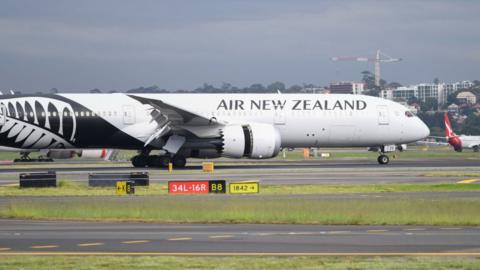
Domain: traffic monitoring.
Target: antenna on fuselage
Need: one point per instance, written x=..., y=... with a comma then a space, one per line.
x=278, y=92
x=12, y=92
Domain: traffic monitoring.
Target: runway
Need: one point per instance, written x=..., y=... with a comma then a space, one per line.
x=275, y=172
x=19, y=236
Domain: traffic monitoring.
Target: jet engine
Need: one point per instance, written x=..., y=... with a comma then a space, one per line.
x=253, y=141
x=81, y=153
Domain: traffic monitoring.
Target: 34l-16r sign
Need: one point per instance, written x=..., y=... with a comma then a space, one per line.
x=196, y=187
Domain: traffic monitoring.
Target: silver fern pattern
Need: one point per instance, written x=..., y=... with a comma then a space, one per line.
x=38, y=123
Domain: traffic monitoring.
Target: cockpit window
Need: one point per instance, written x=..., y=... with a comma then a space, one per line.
x=409, y=114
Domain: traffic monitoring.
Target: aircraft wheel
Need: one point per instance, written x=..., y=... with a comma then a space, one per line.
x=140, y=161
x=383, y=159
x=179, y=161
x=164, y=160
x=476, y=148
x=154, y=161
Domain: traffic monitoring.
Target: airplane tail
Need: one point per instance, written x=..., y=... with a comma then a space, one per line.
x=448, y=127
x=452, y=138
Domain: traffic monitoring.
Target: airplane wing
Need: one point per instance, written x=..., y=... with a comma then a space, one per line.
x=163, y=112
x=168, y=117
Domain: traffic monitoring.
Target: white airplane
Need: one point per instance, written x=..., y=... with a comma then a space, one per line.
x=181, y=126
x=460, y=141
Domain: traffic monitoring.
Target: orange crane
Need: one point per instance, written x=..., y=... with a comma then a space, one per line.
x=379, y=58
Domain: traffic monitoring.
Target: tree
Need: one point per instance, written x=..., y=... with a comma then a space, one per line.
x=436, y=81
x=412, y=100
x=226, y=87
x=294, y=89
x=393, y=85
x=276, y=86
x=430, y=104
x=54, y=91
x=256, y=88
x=96, y=90
x=471, y=126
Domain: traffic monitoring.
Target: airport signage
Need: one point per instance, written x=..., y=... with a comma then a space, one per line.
x=197, y=187
x=244, y=187
x=217, y=186
x=125, y=187
x=188, y=187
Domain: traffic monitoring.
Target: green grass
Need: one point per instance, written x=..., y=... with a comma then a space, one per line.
x=67, y=188
x=299, y=263
x=362, y=153
x=252, y=209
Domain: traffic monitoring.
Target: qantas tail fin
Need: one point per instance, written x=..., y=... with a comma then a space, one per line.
x=448, y=127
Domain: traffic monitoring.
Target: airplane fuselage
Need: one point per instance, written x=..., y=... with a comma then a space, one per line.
x=126, y=121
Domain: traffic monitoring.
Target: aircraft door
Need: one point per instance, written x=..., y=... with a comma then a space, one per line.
x=3, y=114
x=382, y=112
x=128, y=114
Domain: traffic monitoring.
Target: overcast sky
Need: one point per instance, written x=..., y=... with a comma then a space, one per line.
x=81, y=45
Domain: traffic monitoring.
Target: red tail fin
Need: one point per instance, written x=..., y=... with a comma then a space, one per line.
x=448, y=127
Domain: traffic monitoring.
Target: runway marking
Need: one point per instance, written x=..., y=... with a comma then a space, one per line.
x=468, y=181
x=374, y=231
x=265, y=234
x=135, y=242
x=220, y=236
x=415, y=229
x=236, y=254
x=48, y=246
x=338, y=232
x=90, y=244
x=451, y=228
x=3, y=249
x=180, y=239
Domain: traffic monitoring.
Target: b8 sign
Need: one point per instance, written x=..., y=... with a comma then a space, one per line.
x=217, y=186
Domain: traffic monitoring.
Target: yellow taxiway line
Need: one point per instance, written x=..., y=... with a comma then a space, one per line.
x=468, y=181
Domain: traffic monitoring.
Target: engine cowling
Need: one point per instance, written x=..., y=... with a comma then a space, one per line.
x=82, y=153
x=253, y=141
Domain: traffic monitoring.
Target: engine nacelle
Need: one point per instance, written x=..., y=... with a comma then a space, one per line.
x=252, y=141
x=60, y=153
x=82, y=153
x=93, y=153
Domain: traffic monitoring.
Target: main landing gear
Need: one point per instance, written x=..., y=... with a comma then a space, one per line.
x=158, y=161
x=383, y=159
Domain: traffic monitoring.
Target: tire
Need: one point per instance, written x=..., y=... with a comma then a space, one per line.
x=476, y=148
x=140, y=161
x=164, y=160
x=383, y=159
x=179, y=162
x=154, y=161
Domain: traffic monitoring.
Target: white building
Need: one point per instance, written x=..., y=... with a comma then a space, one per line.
x=423, y=91
x=355, y=88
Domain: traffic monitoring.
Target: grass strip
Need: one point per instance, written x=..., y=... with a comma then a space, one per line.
x=172, y=263
x=252, y=209
x=67, y=188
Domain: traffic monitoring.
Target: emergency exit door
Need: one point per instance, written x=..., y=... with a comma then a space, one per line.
x=3, y=114
x=128, y=114
x=382, y=112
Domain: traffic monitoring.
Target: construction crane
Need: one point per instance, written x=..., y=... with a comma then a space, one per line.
x=379, y=58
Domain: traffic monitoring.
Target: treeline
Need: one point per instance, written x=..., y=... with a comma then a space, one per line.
x=471, y=125
x=225, y=88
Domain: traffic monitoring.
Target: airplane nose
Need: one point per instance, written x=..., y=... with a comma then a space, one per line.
x=423, y=130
